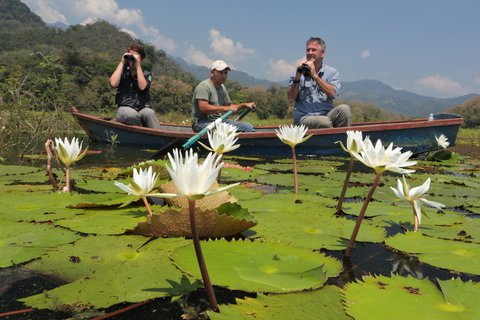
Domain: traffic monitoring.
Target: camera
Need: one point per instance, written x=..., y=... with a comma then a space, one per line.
x=304, y=68
x=129, y=58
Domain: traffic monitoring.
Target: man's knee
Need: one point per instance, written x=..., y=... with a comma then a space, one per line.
x=316, y=122
x=128, y=116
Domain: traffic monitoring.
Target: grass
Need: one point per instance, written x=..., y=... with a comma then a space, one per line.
x=469, y=136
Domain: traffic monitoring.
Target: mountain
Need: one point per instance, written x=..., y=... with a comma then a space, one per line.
x=15, y=15
x=241, y=77
x=398, y=101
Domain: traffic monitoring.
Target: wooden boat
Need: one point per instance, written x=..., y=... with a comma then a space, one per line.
x=416, y=135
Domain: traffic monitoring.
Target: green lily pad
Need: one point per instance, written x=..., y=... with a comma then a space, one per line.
x=107, y=270
x=21, y=242
x=399, y=298
x=303, y=305
x=259, y=266
x=453, y=255
x=310, y=218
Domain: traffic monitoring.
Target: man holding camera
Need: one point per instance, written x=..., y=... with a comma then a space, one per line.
x=313, y=87
x=133, y=86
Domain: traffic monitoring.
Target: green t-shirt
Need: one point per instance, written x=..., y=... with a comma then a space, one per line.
x=206, y=90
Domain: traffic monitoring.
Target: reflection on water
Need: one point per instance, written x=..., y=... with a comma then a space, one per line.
x=114, y=155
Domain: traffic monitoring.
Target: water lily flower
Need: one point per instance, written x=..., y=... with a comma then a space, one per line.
x=414, y=196
x=195, y=181
x=221, y=141
x=355, y=141
x=442, y=141
x=380, y=159
x=69, y=152
x=293, y=135
x=226, y=128
x=384, y=159
x=143, y=182
x=354, y=144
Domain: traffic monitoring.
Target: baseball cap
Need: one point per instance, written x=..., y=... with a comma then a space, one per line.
x=219, y=65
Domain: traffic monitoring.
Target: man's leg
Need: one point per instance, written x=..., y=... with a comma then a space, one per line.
x=316, y=122
x=241, y=126
x=129, y=116
x=149, y=118
x=341, y=116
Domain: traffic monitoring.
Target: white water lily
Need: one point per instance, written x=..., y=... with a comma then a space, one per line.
x=354, y=142
x=384, y=159
x=193, y=179
x=142, y=183
x=221, y=141
x=380, y=159
x=226, y=128
x=414, y=196
x=292, y=135
x=69, y=152
x=442, y=141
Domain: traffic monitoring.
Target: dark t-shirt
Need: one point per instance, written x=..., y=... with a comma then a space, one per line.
x=128, y=93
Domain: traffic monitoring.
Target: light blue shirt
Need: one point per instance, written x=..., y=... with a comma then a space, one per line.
x=310, y=99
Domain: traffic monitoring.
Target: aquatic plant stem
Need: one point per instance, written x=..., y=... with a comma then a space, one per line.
x=416, y=221
x=219, y=171
x=349, y=249
x=201, y=261
x=149, y=209
x=345, y=186
x=67, y=179
x=295, y=178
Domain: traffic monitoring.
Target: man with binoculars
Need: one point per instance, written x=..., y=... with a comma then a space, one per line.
x=133, y=86
x=313, y=87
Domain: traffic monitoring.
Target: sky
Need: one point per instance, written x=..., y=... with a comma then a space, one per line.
x=429, y=47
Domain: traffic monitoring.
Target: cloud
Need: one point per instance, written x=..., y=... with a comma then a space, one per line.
x=441, y=84
x=227, y=48
x=280, y=70
x=365, y=54
x=87, y=11
x=46, y=11
x=198, y=57
x=476, y=81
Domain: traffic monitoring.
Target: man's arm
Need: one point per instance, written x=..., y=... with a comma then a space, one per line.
x=325, y=86
x=207, y=108
x=117, y=74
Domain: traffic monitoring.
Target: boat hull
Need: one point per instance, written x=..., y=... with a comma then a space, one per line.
x=416, y=135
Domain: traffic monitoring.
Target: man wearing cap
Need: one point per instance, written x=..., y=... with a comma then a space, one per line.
x=211, y=100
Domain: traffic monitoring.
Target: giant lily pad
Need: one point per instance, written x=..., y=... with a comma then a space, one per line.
x=409, y=298
x=453, y=255
x=259, y=266
x=322, y=304
x=107, y=270
x=228, y=220
x=21, y=242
